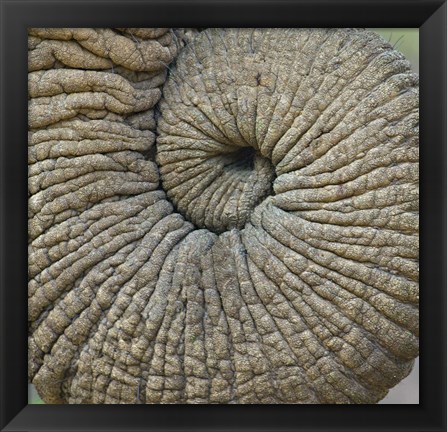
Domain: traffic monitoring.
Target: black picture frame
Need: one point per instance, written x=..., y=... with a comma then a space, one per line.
x=431, y=18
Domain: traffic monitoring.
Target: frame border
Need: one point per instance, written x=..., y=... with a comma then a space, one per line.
x=16, y=15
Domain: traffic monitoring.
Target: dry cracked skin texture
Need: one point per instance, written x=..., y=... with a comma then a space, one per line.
x=262, y=249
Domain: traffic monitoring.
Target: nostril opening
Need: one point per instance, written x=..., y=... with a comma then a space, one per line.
x=243, y=158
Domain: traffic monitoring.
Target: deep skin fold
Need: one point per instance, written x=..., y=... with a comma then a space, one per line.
x=254, y=242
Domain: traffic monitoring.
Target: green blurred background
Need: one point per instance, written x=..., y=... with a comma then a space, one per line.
x=405, y=40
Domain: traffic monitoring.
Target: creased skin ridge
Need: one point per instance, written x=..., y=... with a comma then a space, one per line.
x=226, y=216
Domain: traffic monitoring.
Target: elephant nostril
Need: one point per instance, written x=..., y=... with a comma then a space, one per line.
x=242, y=159
x=219, y=191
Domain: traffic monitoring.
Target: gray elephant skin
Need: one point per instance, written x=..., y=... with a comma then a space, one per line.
x=221, y=216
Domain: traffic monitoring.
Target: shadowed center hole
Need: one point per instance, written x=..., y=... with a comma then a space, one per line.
x=243, y=158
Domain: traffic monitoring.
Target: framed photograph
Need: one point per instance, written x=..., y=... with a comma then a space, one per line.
x=229, y=215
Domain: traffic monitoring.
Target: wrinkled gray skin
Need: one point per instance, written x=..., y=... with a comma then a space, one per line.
x=262, y=249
